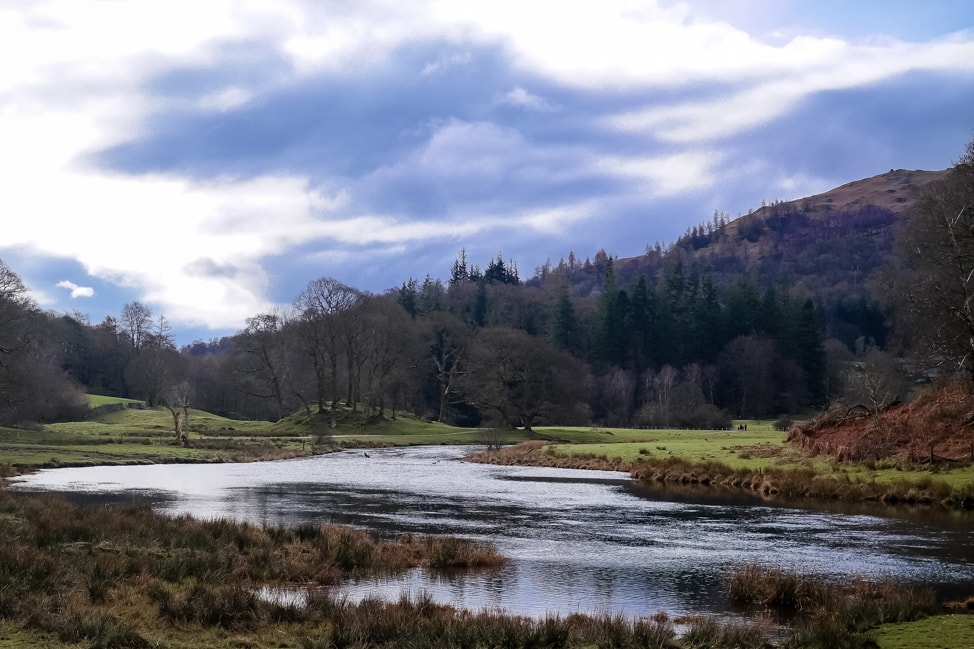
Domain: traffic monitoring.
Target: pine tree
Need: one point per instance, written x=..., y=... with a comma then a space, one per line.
x=563, y=328
x=459, y=273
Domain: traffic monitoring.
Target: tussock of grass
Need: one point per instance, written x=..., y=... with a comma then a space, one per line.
x=829, y=615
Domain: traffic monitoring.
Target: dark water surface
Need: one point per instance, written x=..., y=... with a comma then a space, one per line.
x=588, y=541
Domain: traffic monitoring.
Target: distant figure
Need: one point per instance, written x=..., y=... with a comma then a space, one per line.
x=367, y=455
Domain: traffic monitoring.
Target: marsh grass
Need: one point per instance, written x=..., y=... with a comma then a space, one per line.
x=825, y=614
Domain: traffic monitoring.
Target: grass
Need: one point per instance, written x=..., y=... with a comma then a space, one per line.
x=98, y=400
x=954, y=631
x=138, y=435
x=759, y=460
x=127, y=577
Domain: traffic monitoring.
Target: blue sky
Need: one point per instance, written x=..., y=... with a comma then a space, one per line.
x=211, y=158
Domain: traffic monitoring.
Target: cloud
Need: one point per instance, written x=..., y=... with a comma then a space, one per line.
x=77, y=291
x=226, y=99
x=446, y=62
x=521, y=98
x=188, y=155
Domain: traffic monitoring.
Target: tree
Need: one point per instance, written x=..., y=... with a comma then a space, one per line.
x=391, y=349
x=932, y=285
x=176, y=399
x=261, y=355
x=152, y=372
x=16, y=310
x=322, y=307
x=136, y=322
x=33, y=387
x=873, y=381
x=563, y=325
x=447, y=347
x=523, y=380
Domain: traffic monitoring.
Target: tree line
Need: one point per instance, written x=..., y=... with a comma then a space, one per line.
x=678, y=346
x=481, y=349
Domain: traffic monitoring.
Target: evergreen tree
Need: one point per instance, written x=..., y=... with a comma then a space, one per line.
x=810, y=346
x=642, y=316
x=407, y=296
x=459, y=273
x=479, y=311
x=563, y=327
x=611, y=321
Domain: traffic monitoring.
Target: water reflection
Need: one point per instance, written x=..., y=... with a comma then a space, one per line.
x=586, y=541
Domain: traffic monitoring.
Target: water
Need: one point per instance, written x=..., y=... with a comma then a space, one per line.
x=579, y=541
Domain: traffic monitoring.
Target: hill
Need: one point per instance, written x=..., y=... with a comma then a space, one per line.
x=826, y=246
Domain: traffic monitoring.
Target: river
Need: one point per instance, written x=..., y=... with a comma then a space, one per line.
x=579, y=541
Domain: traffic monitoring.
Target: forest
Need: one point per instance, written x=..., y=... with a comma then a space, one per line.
x=784, y=311
x=483, y=348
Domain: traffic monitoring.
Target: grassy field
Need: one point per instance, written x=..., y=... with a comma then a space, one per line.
x=133, y=435
x=758, y=448
x=954, y=631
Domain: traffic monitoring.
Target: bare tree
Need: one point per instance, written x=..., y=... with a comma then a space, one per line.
x=933, y=281
x=261, y=351
x=448, y=345
x=150, y=374
x=136, y=321
x=177, y=399
x=321, y=307
x=522, y=379
x=872, y=381
x=390, y=345
x=33, y=386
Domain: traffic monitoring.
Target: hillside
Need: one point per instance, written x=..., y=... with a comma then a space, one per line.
x=934, y=428
x=894, y=191
x=826, y=246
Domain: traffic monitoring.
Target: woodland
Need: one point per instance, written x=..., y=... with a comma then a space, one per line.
x=782, y=311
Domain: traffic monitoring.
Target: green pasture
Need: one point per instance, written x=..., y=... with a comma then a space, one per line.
x=98, y=400
x=146, y=435
x=954, y=631
x=760, y=447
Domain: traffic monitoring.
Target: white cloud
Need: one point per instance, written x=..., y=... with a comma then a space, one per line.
x=76, y=291
x=836, y=67
x=521, y=98
x=666, y=175
x=225, y=100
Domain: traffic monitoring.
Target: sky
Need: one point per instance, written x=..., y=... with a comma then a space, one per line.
x=209, y=159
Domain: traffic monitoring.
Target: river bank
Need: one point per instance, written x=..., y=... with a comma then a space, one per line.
x=798, y=479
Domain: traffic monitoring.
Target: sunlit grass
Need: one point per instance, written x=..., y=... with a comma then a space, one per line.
x=937, y=632
x=98, y=400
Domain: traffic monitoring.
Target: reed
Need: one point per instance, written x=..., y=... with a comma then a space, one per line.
x=706, y=633
x=827, y=614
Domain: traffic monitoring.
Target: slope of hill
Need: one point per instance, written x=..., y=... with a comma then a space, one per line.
x=934, y=428
x=826, y=246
